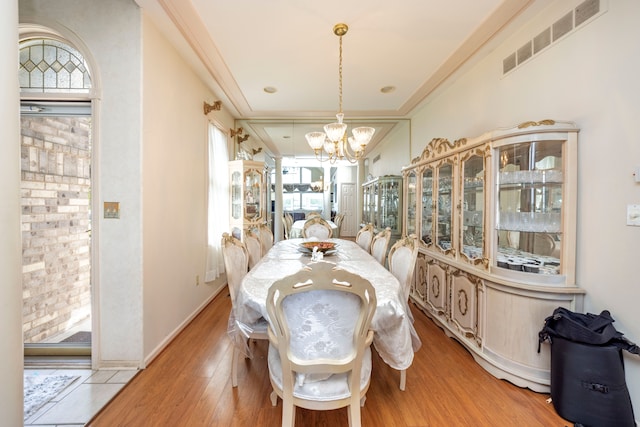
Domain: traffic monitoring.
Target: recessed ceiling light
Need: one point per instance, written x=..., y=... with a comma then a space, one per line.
x=388, y=89
x=270, y=89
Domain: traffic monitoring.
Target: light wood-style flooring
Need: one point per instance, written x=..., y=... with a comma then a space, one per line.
x=189, y=384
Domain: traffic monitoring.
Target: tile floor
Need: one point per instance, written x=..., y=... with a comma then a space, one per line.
x=82, y=400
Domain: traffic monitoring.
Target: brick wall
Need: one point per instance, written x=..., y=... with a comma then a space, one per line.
x=56, y=191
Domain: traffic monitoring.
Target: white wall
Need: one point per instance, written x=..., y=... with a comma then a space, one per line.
x=111, y=32
x=590, y=78
x=151, y=150
x=11, y=387
x=175, y=133
x=394, y=151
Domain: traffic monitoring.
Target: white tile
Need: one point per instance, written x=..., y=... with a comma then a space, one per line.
x=101, y=377
x=123, y=376
x=79, y=406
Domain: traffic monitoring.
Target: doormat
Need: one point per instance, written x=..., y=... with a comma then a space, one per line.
x=39, y=389
x=82, y=336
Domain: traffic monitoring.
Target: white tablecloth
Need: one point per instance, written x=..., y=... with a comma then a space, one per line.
x=395, y=339
x=296, y=228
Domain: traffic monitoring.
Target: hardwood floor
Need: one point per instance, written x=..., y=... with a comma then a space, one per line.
x=189, y=384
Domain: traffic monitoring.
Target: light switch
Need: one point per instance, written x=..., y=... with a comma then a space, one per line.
x=633, y=215
x=112, y=210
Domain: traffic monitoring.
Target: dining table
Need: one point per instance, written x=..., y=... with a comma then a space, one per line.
x=395, y=339
x=296, y=228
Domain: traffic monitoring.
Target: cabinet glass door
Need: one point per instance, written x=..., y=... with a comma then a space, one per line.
x=366, y=203
x=471, y=230
x=427, y=206
x=252, y=194
x=411, y=203
x=530, y=193
x=389, y=199
x=236, y=195
x=374, y=205
x=445, y=212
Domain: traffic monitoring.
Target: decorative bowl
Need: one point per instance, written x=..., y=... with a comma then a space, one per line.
x=322, y=246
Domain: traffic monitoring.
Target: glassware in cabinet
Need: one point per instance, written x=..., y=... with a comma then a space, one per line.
x=382, y=203
x=248, y=195
x=411, y=202
x=530, y=189
x=444, y=209
x=427, y=206
x=473, y=200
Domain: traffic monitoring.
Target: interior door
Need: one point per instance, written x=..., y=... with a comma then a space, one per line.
x=348, y=199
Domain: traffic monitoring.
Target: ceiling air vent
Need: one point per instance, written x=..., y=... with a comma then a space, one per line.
x=584, y=13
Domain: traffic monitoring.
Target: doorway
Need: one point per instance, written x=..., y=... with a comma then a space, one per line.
x=56, y=190
x=56, y=227
x=348, y=198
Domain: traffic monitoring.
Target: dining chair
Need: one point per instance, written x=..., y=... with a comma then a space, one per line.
x=312, y=214
x=320, y=340
x=365, y=236
x=379, y=245
x=253, y=245
x=290, y=222
x=285, y=226
x=402, y=262
x=236, y=264
x=338, y=222
x=266, y=237
x=317, y=227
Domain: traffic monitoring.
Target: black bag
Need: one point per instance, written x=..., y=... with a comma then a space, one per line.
x=587, y=368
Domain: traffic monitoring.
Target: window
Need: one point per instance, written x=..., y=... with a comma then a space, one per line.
x=48, y=65
x=302, y=188
x=218, y=219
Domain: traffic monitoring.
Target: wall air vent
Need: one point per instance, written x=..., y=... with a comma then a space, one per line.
x=524, y=53
x=509, y=63
x=563, y=26
x=376, y=158
x=542, y=40
x=585, y=12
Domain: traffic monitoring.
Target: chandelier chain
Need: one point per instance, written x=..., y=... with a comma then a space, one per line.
x=340, y=76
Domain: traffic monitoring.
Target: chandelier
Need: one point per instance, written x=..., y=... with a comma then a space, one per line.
x=333, y=141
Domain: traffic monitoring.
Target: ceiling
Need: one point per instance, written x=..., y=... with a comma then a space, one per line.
x=410, y=47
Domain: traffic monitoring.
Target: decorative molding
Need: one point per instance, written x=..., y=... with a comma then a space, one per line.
x=546, y=122
x=438, y=146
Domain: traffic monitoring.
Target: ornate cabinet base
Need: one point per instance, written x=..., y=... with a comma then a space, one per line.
x=498, y=323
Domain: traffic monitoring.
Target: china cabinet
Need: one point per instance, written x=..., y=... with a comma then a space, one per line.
x=496, y=217
x=382, y=204
x=248, y=195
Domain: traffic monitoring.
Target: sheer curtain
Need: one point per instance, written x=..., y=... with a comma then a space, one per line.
x=218, y=211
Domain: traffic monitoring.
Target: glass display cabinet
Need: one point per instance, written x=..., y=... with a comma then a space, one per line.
x=382, y=204
x=496, y=217
x=248, y=195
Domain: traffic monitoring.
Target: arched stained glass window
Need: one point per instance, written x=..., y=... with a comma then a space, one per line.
x=47, y=65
